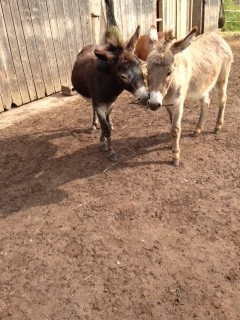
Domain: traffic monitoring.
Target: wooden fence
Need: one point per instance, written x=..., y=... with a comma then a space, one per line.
x=206, y=15
x=177, y=15
x=39, y=41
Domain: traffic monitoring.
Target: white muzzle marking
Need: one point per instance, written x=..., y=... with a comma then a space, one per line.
x=141, y=92
x=156, y=97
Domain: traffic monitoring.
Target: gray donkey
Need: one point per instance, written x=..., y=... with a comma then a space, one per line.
x=187, y=70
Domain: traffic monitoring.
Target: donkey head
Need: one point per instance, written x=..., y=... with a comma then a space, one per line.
x=118, y=60
x=161, y=64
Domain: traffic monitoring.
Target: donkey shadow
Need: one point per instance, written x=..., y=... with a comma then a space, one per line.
x=32, y=174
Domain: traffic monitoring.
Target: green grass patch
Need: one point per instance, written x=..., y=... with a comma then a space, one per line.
x=232, y=16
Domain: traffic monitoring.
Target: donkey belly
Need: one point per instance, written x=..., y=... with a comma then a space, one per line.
x=83, y=70
x=201, y=86
x=80, y=83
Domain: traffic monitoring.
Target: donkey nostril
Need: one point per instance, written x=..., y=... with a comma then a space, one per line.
x=153, y=105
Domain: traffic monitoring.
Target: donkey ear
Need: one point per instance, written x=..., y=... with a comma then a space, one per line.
x=153, y=34
x=133, y=40
x=184, y=43
x=104, y=55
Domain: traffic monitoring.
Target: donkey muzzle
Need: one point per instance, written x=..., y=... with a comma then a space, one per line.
x=155, y=100
x=153, y=106
x=142, y=95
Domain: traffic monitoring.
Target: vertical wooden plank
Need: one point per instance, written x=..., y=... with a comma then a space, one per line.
x=181, y=19
x=40, y=45
x=118, y=15
x=171, y=14
x=5, y=92
x=103, y=23
x=1, y=104
x=211, y=15
x=70, y=30
x=152, y=13
x=77, y=23
x=127, y=21
x=121, y=5
x=132, y=17
x=84, y=7
x=160, y=15
x=137, y=13
x=190, y=25
x=197, y=15
x=31, y=47
x=15, y=53
x=7, y=60
x=96, y=22
x=145, y=29
x=148, y=13
x=140, y=17
x=206, y=16
x=128, y=5
x=164, y=15
x=15, y=10
x=63, y=37
x=57, y=42
x=51, y=56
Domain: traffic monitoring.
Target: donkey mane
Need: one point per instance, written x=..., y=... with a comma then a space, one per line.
x=113, y=35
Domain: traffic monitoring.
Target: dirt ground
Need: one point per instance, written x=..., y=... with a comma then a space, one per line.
x=83, y=239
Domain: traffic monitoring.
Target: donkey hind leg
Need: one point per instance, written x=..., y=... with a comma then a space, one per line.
x=103, y=115
x=204, y=104
x=94, y=120
x=221, y=89
x=177, y=113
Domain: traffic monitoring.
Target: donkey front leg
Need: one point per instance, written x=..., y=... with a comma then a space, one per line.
x=176, y=132
x=103, y=115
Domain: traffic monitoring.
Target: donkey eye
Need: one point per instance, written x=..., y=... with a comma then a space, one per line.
x=123, y=77
x=169, y=73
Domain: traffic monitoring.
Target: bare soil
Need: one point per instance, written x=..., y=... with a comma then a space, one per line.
x=81, y=238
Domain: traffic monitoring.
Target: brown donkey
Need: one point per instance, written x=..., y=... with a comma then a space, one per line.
x=146, y=42
x=187, y=70
x=102, y=73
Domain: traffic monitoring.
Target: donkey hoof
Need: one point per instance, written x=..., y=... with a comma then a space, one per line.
x=217, y=130
x=196, y=134
x=94, y=127
x=104, y=147
x=113, y=157
x=176, y=162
